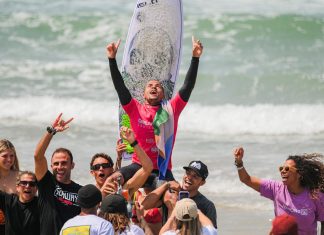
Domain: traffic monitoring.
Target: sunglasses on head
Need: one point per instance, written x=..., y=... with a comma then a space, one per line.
x=25, y=183
x=287, y=168
x=103, y=165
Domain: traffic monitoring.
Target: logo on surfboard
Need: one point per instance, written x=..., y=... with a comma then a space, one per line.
x=143, y=4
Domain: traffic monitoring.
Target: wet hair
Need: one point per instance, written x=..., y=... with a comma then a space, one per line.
x=311, y=169
x=22, y=173
x=64, y=150
x=102, y=155
x=119, y=221
x=7, y=145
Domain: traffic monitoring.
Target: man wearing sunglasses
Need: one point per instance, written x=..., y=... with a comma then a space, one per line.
x=299, y=192
x=101, y=166
x=22, y=210
x=167, y=194
x=56, y=190
x=112, y=185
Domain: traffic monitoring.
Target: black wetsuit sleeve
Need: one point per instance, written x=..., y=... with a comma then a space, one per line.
x=190, y=80
x=122, y=91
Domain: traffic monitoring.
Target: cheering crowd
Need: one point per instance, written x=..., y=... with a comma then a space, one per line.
x=144, y=197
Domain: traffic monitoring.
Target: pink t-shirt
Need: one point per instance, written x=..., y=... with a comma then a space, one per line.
x=141, y=119
x=307, y=211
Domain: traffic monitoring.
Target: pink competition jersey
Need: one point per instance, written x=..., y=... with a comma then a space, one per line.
x=141, y=119
x=307, y=211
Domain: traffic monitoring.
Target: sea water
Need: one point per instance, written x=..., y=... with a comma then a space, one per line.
x=260, y=86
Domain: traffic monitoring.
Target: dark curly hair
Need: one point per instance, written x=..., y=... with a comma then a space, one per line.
x=311, y=169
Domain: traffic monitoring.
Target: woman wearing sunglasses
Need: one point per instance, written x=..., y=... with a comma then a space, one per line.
x=300, y=193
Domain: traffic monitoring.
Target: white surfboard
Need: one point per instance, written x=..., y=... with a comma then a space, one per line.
x=153, y=48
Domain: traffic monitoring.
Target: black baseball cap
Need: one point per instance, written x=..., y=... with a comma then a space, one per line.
x=89, y=196
x=114, y=203
x=199, y=167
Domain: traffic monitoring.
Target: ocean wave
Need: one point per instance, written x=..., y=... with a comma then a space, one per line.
x=262, y=7
x=37, y=70
x=54, y=30
x=35, y=110
x=261, y=119
x=205, y=7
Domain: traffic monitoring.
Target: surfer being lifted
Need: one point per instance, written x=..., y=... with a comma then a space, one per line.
x=155, y=121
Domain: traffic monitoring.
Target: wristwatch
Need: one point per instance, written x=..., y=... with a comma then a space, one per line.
x=134, y=143
x=51, y=130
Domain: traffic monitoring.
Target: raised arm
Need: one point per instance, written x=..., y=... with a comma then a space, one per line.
x=190, y=80
x=250, y=181
x=142, y=174
x=120, y=148
x=122, y=91
x=154, y=198
x=170, y=224
x=41, y=167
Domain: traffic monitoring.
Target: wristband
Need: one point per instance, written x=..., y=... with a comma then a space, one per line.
x=134, y=143
x=240, y=168
x=238, y=164
x=51, y=130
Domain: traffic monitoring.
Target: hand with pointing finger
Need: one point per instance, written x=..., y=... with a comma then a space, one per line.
x=197, y=47
x=112, y=49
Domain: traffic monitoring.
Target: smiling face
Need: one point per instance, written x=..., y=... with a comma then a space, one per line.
x=7, y=159
x=289, y=174
x=26, y=188
x=8, y=156
x=61, y=166
x=191, y=182
x=153, y=93
x=101, y=173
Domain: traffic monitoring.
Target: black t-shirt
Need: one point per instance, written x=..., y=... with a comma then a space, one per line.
x=21, y=218
x=58, y=202
x=207, y=207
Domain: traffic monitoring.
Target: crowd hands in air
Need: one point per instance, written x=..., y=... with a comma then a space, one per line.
x=134, y=199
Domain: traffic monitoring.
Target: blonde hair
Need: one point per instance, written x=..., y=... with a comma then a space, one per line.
x=120, y=222
x=191, y=227
x=7, y=145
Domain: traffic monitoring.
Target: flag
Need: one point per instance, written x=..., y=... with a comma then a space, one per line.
x=163, y=125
